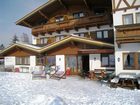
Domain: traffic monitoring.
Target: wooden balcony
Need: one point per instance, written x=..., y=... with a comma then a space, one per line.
x=128, y=34
x=73, y=24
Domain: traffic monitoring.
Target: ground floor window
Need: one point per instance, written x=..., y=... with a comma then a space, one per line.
x=1, y=61
x=51, y=60
x=23, y=60
x=107, y=60
x=71, y=62
x=131, y=61
x=128, y=60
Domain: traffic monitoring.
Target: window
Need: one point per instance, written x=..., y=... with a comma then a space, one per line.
x=131, y=61
x=43, y=40
x=139, y=60
x=128, y=60
x=112, y=60
x=99, y=35
x=137, y=17
x=71, y=62
x=102, y=34
x=78, y=15
x=80, y=34
x=128, y=19
x=22, y=60
x=58, y=38
x=107, y=60
x=51, y=60
x=59, y=19
x=105, y=34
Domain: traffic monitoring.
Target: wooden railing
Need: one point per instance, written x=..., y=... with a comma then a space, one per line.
x=73, y=23
x=128, y=33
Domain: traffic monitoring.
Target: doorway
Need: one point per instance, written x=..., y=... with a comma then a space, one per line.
x=85, y=64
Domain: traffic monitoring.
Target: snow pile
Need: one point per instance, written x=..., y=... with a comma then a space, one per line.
x=20, y=89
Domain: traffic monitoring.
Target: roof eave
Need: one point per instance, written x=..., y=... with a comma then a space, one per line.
x=33, y=12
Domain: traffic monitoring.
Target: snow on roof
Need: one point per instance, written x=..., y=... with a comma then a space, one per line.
x=28, y=45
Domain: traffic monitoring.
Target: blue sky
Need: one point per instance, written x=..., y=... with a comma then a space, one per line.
x=10, y=12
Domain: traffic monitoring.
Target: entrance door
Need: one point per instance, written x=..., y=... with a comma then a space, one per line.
x=85, y=63
x=60, y=62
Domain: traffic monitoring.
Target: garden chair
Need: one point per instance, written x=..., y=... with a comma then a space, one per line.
x=39, y=73
x=58, y=75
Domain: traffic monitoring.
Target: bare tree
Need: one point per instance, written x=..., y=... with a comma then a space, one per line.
x=25, y=38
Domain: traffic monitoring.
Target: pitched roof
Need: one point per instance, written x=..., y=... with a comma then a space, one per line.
x=76, y=39
x=56, y=44
x=21, y=45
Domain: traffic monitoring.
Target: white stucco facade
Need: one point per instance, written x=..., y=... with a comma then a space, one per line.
x=11, y=61
x=125, y=47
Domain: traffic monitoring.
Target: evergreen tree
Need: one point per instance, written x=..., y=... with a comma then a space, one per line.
x=15, y=39
x=25, y=38
x=2, y=47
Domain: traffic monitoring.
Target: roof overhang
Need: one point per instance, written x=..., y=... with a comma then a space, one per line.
x=17, y=45
x=44, y=12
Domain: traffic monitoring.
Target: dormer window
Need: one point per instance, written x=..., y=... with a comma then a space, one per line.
x=78, y=15
x=59, y=19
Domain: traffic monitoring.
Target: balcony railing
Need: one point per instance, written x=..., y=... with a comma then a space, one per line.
x=73, y=23
x=128, y=33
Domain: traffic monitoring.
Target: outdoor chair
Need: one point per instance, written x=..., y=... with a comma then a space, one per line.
x=59, y=75
x=38, y=72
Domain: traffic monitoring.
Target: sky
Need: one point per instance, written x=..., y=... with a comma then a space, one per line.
x=10, y=12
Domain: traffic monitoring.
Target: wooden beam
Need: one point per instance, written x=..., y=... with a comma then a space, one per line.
x=113, y=4
x=85, y=1
x=118, y=4
x=133, y=3
x=26, y=23
x=42, y=14
x=61, y=3
x=128, y=5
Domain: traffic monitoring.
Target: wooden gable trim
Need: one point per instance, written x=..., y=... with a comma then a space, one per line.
x=128, y=5
x=42, y=14
x=118, y=4
x=133, y=3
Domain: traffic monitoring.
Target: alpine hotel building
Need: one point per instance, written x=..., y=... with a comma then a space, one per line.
x=75, y=34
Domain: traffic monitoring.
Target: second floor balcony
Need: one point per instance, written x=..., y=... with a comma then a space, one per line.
x=73, y=24
x=128, y=33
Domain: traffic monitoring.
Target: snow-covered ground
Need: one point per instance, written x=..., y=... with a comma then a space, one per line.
x=20, y=89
